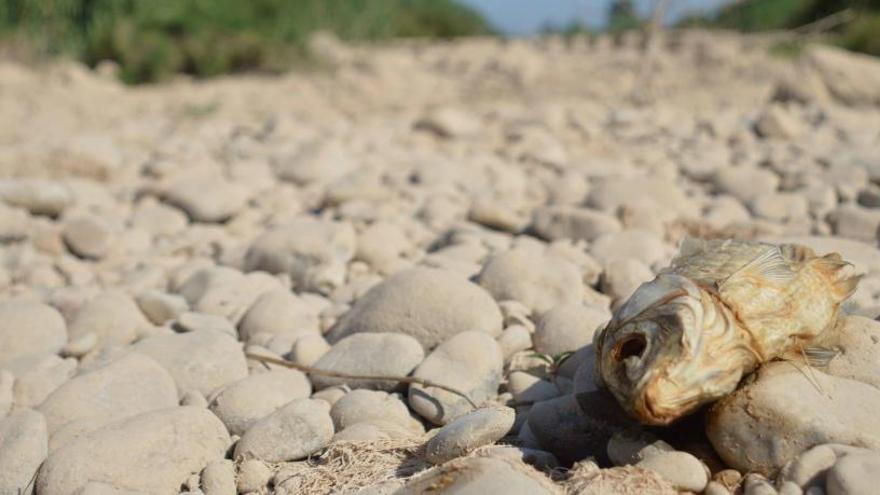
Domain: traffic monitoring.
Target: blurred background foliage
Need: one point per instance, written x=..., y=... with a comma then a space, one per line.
x=152, y=39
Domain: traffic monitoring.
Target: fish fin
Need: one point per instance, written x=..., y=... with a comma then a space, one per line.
x=831, y=265
x=819, y=357
x=770, y=265
x=691, y=246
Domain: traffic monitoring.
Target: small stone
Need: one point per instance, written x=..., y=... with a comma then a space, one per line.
x=715, y=488
x=315, y=162
x=789, y=488
x=683, y=470
x=470, y=362
x=7, y=385
x=293, y=432
x=449, y=122
x=855, y=222
x=752, y=431
x=854, y=474
x=191, y=321
x=279, y=312
x=468, y=432
x=23, y=446
x=87, y=236
x=755, y=484
x=80, y=346
x=567, y=328
x=207, y=199
x=777, y=123
x=113, y=316
x=231, y=299
x=154, y=452
x=427, y=304
x=746, y=183
x=311, y=251
x=528, y=388
x=331, y=395
x=586, y=478
x=537, y=280
x=160, y=307
x=480, y=475
x=40, y=197
x=193, y=398
x=565, y=222
x=218, y=478
x=378, y=354
x=253, y=476
x=243, y=403
x=373, y=406
x=203, y=360
x=34, y=383
x=308, y=349
x=637, y=244
x=622, y=276
x=540, y=459
x=29, y=329
x=513, y=339
x=780, y=206
x=159, y=219
x=626, y=448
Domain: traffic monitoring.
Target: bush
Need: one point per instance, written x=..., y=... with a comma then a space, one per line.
x=152, y=39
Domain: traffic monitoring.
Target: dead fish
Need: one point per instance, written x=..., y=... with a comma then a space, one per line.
x=715, y=314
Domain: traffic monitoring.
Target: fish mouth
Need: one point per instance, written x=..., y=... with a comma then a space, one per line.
x=650, y=409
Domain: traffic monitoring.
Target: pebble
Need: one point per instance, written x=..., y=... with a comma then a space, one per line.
x=377, y=354
x=218, y=478
x=160, y=307
x=752, y=431
x=204, y=360
x=683, y=470
x=87, y=236
x=637, y=244
x=470, y=362
x=207, y=199
x=565, y=222
x=374, y=407
x=153, y=452
x=312, y=252
x=625, y=448
x=755, y=484
x=855, y=222
x=567, y=328
x=253, y=476
x=278, y=312
x=427, y=304
x=622, y=276
x=480, y=475
x=112, y=316
x=450, y=122
x=34, y=383
x=7, y=386
x=314, y=162
x=854, y=474
x=191, y=321
x=39, y=197
x=241, y=404
x=29, y=329
x=295, y=431
x=537, y=280
x=468, y=432
x=746, y=183
x=809, y=468
x=513, y=339
x=528, y=388
x=23, y=446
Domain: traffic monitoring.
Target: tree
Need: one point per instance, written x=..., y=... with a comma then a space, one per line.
x=622, y=16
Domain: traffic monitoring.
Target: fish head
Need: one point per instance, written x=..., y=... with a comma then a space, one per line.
x=654, y=355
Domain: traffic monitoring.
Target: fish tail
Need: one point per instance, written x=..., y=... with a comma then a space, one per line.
x=832, y=266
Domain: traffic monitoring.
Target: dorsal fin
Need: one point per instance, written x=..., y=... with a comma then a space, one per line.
x=770, y=265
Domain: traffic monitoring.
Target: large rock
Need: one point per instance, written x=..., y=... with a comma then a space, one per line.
x=29, y=329
x=427, y=304
x=377, y=354
x=247, y=401
x=23, y=446
x=204, y=360
x=480, y=475
x=154, y=452
x=782, y=413
x=311, y=251
x=294, y=432
x=127, y=386
x=538, y=280
x=850, y=78
x=113, y=316
x=469, y=362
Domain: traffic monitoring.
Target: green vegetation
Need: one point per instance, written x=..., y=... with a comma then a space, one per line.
x=152, y=39
x=860, y=34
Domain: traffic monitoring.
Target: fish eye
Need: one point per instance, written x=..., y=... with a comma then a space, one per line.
x=632, y=346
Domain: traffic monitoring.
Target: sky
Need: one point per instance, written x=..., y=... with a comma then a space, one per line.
x=525, y=17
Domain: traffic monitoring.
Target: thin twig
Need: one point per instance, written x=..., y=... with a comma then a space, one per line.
x=349, y=376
